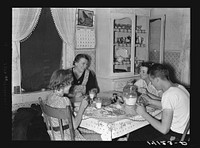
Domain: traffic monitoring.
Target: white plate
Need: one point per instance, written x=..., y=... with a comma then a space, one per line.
x=122, y=52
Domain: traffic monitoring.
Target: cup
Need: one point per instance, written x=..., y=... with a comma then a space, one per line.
x=98, y=103
x=92, y=95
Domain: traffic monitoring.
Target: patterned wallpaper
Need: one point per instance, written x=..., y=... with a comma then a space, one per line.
x=172, y=58
x=154, y=56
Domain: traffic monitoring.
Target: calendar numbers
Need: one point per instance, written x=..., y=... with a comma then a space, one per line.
x=85, y=38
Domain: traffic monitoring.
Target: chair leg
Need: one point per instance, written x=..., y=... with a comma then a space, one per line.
x=127, y=136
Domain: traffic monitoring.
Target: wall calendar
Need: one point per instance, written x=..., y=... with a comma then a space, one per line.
x=85, y=38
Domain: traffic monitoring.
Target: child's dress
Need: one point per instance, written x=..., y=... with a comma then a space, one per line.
x=57, y=101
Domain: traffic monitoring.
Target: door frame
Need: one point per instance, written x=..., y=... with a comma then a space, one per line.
x=162, y=34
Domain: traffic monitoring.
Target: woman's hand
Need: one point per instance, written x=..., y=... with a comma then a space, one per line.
x=142, y=90
x=94, y=90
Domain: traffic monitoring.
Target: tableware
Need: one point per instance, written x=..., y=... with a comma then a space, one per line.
x=98, y=103
x=92, y=95
x=106, y=113
x=130, y=94
x=122, y=52
x=106, y=101
x=131, y=100
x=120, y=59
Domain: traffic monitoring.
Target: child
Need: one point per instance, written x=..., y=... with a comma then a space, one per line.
x=144, y=84
x=60, y=83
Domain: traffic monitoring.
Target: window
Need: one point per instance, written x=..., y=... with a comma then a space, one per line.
x=40, y=54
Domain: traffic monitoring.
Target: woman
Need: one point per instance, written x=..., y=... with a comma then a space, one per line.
x=144, y=84
x=84, y=79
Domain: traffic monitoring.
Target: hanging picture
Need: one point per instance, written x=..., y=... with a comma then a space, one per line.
x=85, y=18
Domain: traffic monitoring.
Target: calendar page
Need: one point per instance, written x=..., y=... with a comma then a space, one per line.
x=85, y=38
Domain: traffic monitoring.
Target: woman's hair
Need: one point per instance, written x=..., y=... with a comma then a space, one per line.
x=85, y=56
x=147, y=64
x=60, y=78
x=159, y=70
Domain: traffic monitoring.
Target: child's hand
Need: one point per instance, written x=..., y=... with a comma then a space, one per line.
x=84, y=102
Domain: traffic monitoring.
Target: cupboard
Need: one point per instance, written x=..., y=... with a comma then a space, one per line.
x=122, y=44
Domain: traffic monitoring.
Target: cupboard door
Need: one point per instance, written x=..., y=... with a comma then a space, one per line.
x=122, y=43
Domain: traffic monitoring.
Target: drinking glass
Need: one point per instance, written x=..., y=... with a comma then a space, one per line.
x=98, y=102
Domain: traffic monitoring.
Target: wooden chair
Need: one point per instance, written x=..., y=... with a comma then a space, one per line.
x=185, y=131
x=60, y=114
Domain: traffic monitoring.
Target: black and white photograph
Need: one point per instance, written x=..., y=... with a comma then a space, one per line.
x=85, y=18
x=101, y=74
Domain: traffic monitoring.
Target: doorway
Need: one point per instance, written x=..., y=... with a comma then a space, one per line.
x=156, y=38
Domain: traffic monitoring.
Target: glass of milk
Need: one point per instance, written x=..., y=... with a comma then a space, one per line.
x=98, y=103
x=92, y=94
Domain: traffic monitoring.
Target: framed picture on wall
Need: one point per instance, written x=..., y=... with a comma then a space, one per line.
x=85, y=18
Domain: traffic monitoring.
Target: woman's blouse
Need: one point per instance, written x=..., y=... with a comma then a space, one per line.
x=91, y=82
x=151, y=89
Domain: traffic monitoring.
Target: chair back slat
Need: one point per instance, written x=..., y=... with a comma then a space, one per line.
x=60, y=114
x=50, y=123
x=71, y=127
x=186, y=130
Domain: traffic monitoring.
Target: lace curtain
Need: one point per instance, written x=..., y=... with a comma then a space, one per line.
x=24, y=21
x=184, y=64
x=64, y=19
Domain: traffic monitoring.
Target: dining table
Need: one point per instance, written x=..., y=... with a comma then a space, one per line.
x=114, y=120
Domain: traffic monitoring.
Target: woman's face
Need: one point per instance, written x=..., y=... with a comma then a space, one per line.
x=143, y=72
x=81, y=65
